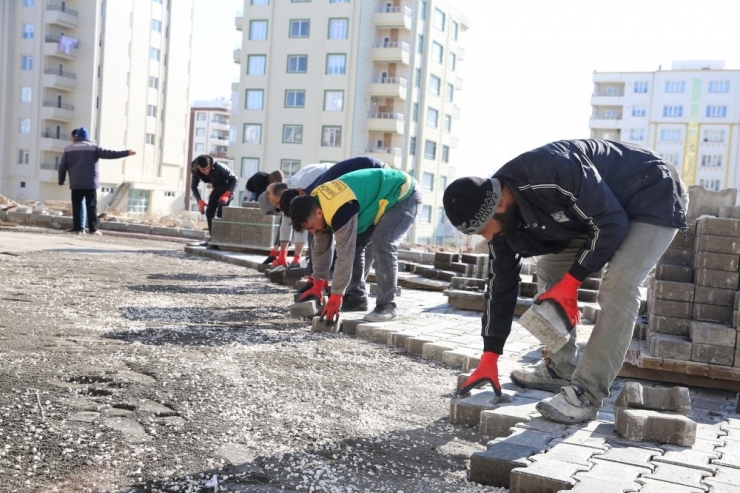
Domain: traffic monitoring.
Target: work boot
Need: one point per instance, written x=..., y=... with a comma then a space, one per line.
x=570, y=406
x=383, y=312
x=540, y=376
x=351, y=304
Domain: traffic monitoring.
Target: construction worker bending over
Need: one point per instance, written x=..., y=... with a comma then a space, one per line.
x=223, y=181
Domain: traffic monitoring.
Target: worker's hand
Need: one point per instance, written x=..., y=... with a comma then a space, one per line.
x=565, y=293
x=331, y=310
x=487, y=371
x=316, y=291
x=270, y=257
x=281, y=260
x=224, y=199
x=202, y=206
x=131, y=153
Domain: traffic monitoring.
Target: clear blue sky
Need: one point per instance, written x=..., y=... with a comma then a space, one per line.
x=528, y=66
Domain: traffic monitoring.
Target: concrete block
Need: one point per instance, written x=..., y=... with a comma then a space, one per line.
x=466, y=300
x=456, y=357
x=415, y=345
x=318, y=325
x=647, y=425
x=735, y=318
x=636, y=396
x=711, y=333
x=674, y=291
x=468, y=283
x=139, y=228
x=716, y=278
x=630, y=455
x=676, y=479
x=705, y=202
x=545, y=475
x=718, y=244
x=547, y=325
x=674, y=272
x=467, y=410
x=712, y=313
x=736, y=364
x=736, y=306
x=668, y=308
x=294, y=274
x=603, y=485
x=305, y=309
x=22, y=218
x=730, y=211
x=375, y=332
x=714, y=296
x=194, y=234
x=64, y=222
x=275, y=275
x=434, y=350
x=528, y=289
x=670, y=346
x=41, y=220
x=587, y=295
x=715, y=355
x=680, y=256
x=716, y=261
x=686, y=241
x=349, y=325
x=669, y=325
x=110, y=225
x=174, y=232
x=718, y=226
x=498, y=422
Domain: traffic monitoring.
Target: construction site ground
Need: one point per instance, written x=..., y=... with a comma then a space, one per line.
x=127, y=365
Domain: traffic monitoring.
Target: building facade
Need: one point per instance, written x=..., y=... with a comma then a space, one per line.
x=690, y=115
x=119, y=68
x=322, y=81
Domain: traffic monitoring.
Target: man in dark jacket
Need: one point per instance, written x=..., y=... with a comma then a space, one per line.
x=222, y=180
x=80, y=159
x=579, y=204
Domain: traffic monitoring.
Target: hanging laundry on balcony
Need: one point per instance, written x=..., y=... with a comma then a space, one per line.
x=66, y=43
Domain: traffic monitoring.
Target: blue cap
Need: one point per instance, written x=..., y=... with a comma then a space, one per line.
x=82, y=134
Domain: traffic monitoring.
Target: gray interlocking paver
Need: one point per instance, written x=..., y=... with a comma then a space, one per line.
x=544, y=475
x=498, y=422
x=538, y=423
x=466, y=410
x=645, y=424
x=610, y=469
x=687, y=457
x=434, y=350
x=625, y=454
x=681, y=475
x=717, y=487
x=456, y=357
x=602, y=485
x=655, y=486
x=566, y=452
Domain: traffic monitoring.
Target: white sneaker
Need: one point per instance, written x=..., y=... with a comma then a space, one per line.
x=569, y=407
x=382, y=313
x=97, y=233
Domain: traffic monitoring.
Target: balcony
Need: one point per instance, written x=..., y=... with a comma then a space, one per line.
x=238, y=55
x=392, y=156
x=57, y=47
x=58, y=79
x=605, y=121
x=456, y=112
x=54, y=143
x=239, y=21
x=54, y=110
x=386, y=122
x=394, y=17
x=221, y=154
x=61, y=15
x=220, y=125
x=391, y=52
x=458, y=84
x=389, y=87
x=607, y=98
x=460, y=52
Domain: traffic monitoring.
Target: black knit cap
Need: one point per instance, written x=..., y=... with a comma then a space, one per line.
x=470, y=202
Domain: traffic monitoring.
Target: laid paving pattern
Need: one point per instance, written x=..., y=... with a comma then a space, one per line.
x=529, y=453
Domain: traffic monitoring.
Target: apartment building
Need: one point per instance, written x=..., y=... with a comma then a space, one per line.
x=119, y=68
x=209, y=134
x=322, y=81
x=689, y=114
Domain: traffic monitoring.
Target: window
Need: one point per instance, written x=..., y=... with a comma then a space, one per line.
x=297, y=64
x=670, y=135
x=714, y=136
x=292, y=134
x=338, y=1
x=423, y=10
x=299, y=29
x=256, y=64
x=711, y=160
x=254, y=99
x=716, y=111
x=336, y=64
x=412, y=146
x=454, y=28
x=200, y=147
x=26, y=93
x=150, y=139
x=26, y=62
x=250, y=165
x=441, y=215
x=432, y=117
x=672, y=111
x=438, y=20
x=719, y=86
x=675, y=86
x=637, y=134
x=331, y=136
x=289, y=167
x=153, y=82
x=154, y=53
x=295, y=99
x=151, y=110
x=257, y=30
x=430, y=149
x=156, y=25
x=426, y=214
x=445, y=154
x=200, y=132
x=25, y=126
x=437, y=51
x=671, y=158
x=108, y=189
x=442, y=183
x=29, y=3
x=450, y=94
x=710, y=184
x=333, y=100
x=641, y=87
x=420, y=43
x=27, y=31
x=169, y=194
x=252, y=133
x=427, y=182
x=417, y=77
x=23, y=184
x=338, y=28
x=434, y=84
x=260, y=2
x=639, y=111
x=200, y=116
x=23, y=156
x=452, y=61
x=415, y=112
x=448, y=123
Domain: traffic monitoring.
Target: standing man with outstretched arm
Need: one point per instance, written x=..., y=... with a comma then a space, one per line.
x=222, y=180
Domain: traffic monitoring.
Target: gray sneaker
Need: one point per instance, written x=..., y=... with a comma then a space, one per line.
x=539, y=376
x=351, y=304
x=383, y=313
x=569, y=407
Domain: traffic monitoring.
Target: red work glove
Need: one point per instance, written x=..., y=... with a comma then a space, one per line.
x=272, y=256
x=331, y=310
x=565, y=293
x=202, y=207
x=307, y=286
x=487, y=371
x=316, y=291
x=281, y=260
x=224, y=199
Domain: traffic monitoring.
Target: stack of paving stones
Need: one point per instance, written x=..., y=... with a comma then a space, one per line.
x=244, y=228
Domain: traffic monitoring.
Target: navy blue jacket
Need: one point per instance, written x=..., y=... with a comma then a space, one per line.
x=344, y=167
x=221, y=179
x=81, y=160
x=573, y=188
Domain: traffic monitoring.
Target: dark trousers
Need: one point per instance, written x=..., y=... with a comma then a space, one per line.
x=90, y=197
x=214, y=208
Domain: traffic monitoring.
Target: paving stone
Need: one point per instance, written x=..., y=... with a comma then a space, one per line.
x=377, y=332
x=715, y=355
x=684, y=241
x=498, y=422
x=319, y=325
x=714, y=296
x=712, y=313
x=603, y=485
x=712, y=333
x=456, y=357
x=434, y=350
x=718, y=487
x=674, y=291
x=349, y=325
x=539, y=423
x=304, y=309
x=670, y=325
x=627, y=454
x=674, y=272
x=139, y=228
x=716, y=261
x=730, y=212
x=566, y=452
x=718, y=244
x=544, y=475
x=655, y=486
x=670, y=346
x=727, y=475
x=668, y=308
x=686, y=476
x=115, y=226
x=680, y=256
x=468, y=283
x=467, y=410
x=585, y=438
x=718, y=226
x=687, y=457
x=609, y=469
x=637, y=396
x=648, y=425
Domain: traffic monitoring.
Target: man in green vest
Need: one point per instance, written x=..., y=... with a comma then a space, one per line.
x=376, y=204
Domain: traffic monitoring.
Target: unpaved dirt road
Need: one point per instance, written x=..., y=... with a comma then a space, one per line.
x=139, y=368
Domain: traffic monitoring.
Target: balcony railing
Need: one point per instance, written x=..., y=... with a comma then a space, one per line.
x=62, y=8
x=219, y=154
x=52, y=135
x=385, y=150
x=388, y=116
x=221, y=122
x=390, y=80
x=606, y=117
x=49, y=166
x=61, y=73
x=393, y=44
x=608, y=94
x=390, y=10
x=57, y=104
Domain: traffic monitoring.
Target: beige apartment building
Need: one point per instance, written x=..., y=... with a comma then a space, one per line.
x=119, y=68
x=690, y=115
x=325, y=80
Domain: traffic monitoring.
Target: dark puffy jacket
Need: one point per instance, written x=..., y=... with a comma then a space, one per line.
x=574, y=188
x=221, y=178
x=344, y=167
x=81, y=161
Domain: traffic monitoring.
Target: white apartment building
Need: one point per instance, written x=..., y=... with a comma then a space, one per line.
x=119, y=68
x=325, y=80
x=690, y=115
x=209, y=134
